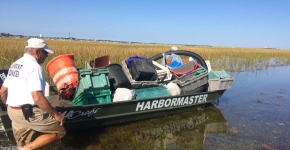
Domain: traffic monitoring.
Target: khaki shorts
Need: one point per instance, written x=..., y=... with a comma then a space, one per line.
x=24, y=131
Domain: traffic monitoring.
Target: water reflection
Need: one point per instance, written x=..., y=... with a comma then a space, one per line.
x=180, y=131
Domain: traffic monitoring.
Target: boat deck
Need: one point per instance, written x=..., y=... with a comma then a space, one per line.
x=55, y=102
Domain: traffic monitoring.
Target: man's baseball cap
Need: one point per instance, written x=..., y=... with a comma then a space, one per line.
x=37, y=43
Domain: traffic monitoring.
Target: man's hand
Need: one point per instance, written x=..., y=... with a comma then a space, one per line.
x=43, y=104
x=3, y=93
x=60, y=117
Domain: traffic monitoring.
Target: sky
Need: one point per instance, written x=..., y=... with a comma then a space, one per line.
x=226, y=23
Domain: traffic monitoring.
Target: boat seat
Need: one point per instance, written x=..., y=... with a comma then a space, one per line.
x=100, y=62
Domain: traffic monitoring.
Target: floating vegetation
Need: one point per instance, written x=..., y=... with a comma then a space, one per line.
x=282, y=90
x=199, y=109
x=276, y=132
x=233, y=131
x=266, y=147
x=281, y=124
x=277, y=103
x=262, y=93
x=280, y=95
x=219, y=107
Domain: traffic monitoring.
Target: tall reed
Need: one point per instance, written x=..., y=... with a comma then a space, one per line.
x=230, y=59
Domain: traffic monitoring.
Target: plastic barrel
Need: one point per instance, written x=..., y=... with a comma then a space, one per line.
x=117, y=77
x=62, y=70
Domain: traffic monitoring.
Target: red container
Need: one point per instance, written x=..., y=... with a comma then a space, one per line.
x=185, y=69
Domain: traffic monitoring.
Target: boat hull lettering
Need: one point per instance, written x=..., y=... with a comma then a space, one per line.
x=171, y=102
x=72, y=114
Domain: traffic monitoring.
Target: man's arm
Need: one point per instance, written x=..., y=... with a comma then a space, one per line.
x=43, y=104
x=3, y=93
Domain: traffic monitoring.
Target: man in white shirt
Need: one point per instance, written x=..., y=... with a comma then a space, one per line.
x=23, y=92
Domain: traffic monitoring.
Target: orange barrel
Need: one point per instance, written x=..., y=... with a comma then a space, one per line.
x=62, y=70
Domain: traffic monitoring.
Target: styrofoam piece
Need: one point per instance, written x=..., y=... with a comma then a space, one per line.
x=208, y=65
x=87, y=65
x=173, y=88
x=46, y=93
x=123, y=94
x=162, y=71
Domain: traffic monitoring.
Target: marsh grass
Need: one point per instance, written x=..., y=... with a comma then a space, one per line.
x=229, y=59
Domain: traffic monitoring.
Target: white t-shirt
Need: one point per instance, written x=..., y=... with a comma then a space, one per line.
x=24, y=76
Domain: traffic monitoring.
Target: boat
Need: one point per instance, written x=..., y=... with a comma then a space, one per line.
x=103, y=114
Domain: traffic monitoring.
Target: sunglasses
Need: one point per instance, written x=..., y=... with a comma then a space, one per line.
x=44, y=51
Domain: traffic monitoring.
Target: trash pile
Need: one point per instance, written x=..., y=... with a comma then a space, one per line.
x=134, y=79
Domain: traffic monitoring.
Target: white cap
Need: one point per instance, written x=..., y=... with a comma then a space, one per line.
x=37, y=43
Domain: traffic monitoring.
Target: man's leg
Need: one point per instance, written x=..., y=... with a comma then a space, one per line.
x=22, y=135
x=44, y=140
x=49, y=128
x=41, y=122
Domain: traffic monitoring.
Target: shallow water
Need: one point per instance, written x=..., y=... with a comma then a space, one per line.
x=258, y=107
x=253, y=114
